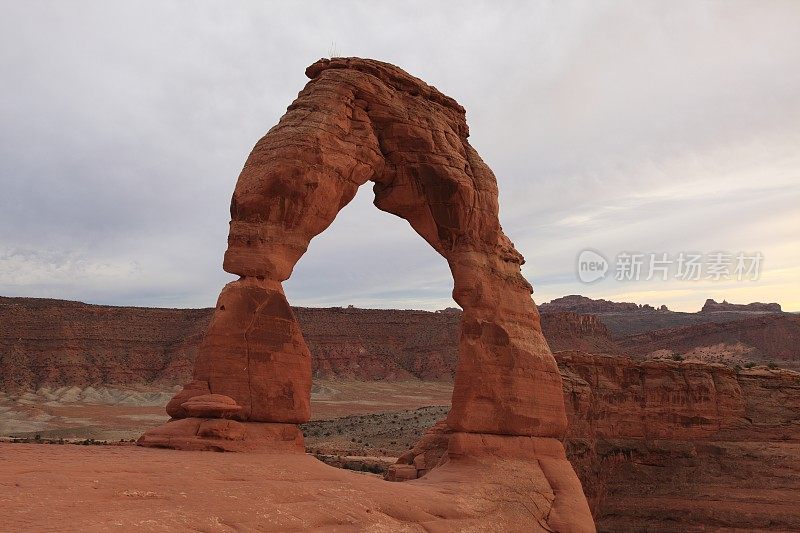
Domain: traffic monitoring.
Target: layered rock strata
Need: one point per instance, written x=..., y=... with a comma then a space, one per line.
x=669, y=446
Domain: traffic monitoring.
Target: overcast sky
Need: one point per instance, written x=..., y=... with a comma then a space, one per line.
x=646, y=127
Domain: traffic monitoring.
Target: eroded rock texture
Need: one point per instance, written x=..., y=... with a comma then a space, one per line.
x=360, y=121
x=668, y=446
x=357, y=121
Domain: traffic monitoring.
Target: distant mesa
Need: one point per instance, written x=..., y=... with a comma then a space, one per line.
x=712, y=306
x=575, y=303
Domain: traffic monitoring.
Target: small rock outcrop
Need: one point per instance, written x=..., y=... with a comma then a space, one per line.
x=356, y=121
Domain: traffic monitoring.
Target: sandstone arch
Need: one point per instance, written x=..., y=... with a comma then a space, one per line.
x=360, y=120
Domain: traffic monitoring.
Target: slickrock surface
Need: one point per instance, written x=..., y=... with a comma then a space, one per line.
x=361, y=120
x=126, y=488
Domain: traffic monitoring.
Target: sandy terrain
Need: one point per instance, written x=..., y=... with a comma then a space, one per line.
x=114, y=414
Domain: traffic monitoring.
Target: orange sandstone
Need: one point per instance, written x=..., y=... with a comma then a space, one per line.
x=356, y=121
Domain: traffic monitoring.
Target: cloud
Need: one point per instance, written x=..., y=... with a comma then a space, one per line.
x=612, y=125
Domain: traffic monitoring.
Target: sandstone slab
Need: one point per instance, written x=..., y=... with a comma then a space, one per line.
x=219, y=435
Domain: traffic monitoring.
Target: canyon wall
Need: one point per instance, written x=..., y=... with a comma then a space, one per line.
x=669, y=446
x=762, y=338
x=52, y=343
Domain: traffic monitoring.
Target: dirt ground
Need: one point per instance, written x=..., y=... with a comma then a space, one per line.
x=114, y=414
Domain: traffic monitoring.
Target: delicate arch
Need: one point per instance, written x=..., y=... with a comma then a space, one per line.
x=357, y=121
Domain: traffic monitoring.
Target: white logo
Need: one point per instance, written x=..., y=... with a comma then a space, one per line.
x=591, y=266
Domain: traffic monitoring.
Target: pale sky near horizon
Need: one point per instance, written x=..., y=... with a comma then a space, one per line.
x=630, y=126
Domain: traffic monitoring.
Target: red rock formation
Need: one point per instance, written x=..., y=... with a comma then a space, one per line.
x=646, y=439
x=668, y=446
x=360, y=120
x=356, y=121
x=612, y=397
x=712, y=306
x=575, y=303
x=51, y=343
x=624, y=318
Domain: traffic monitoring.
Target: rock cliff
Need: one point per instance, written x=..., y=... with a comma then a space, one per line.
x=54, y=343
x=625, y=318
x=369, y=344
x=51, y=343
x=671, y=446
x=573, y=331
x=680, y=446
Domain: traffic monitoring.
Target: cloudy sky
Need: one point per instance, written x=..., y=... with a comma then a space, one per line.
x=622, y=127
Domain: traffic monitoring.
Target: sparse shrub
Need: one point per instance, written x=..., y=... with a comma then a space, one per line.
x=772, y=365
x=677, y=357
x=749, y=364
